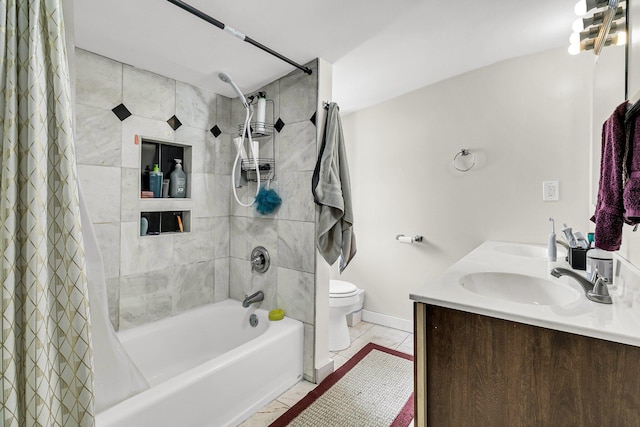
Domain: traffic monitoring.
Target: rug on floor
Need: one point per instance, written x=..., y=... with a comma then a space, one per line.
x=373, y=389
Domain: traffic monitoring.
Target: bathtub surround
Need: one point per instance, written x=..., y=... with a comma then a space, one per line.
x=288, y=234
x=152, y=277
x=524, y=119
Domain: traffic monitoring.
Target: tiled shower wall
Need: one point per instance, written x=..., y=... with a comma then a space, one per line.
x=288, y=234
x=152, y=277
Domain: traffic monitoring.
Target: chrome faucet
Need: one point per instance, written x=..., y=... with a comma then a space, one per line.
x=252, y=299
x=595, y=290
x=563, y=244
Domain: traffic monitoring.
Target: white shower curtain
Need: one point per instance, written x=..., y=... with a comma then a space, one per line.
x=47, y=372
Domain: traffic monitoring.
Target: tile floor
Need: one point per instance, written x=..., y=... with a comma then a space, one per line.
x=361, y=334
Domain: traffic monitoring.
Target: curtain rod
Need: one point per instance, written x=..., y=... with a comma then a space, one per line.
x=236, y=33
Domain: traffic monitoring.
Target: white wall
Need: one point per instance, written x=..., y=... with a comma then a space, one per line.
x=526, y=120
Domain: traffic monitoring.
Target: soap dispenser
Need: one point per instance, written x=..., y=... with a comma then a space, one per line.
x=178, y=181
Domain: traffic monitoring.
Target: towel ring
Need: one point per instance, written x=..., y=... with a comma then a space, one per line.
x=464, y=152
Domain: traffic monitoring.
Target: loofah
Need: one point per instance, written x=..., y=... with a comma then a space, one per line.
x=267, y=201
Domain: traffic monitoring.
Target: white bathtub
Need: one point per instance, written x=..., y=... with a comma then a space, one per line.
x=208, y=367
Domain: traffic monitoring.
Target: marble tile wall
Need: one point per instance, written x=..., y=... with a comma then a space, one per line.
x=152, y=277
x=289, y=233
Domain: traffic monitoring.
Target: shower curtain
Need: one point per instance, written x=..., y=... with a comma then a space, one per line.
x=47, y=373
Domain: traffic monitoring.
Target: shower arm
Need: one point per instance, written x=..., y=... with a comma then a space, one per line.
x=236, y=33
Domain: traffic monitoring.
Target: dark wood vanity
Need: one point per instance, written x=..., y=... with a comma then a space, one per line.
x=475, y=370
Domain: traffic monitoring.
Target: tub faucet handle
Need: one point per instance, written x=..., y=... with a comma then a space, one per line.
x=259, y=260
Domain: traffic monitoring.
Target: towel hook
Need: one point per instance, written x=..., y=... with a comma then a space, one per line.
x=464, y=152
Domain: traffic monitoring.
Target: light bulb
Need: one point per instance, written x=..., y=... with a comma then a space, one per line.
x=574, y=38
x=580, y=8
x=574, y=49
x=621, y=38
x=578, y=25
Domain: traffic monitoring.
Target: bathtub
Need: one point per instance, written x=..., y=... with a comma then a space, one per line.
x=208, y=367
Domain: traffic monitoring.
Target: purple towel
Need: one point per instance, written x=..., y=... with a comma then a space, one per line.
x=609, y=214
x=631, y=194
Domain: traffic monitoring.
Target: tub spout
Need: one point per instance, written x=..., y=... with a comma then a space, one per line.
x=252, y=299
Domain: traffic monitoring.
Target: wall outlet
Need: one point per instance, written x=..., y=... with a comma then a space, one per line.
x=550, y=191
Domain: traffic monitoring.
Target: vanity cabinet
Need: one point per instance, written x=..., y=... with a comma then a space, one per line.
x=475, y=370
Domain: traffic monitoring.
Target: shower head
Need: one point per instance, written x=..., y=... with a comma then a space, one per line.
x=225, y=78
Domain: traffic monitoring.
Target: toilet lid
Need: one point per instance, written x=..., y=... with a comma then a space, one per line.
x=339, y=288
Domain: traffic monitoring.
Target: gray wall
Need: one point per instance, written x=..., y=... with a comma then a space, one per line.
x=152, y=277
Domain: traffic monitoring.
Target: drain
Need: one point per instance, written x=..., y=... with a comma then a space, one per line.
x=253, y=320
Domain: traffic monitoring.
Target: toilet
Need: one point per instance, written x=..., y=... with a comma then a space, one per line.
x=344, y=299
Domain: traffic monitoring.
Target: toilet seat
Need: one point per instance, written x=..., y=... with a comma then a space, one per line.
x=341, y=289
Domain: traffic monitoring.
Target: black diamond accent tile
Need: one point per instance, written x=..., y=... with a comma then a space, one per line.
x=121, y=112
x=279, y=125
x=215, y=131
x=313, y=119
x=174, y=122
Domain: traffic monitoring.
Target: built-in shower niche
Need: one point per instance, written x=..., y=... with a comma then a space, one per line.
x=163, y=154
x=163, y=215
x=155, y=223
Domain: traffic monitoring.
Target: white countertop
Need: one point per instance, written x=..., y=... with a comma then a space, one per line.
x=618, y=322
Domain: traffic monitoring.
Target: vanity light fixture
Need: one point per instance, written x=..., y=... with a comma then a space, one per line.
x=597, y=18
x=592, y=32
x=584, y=6
x=617, y=39
x=599, y=29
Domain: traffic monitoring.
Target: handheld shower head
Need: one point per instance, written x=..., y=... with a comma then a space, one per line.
x=225, y=78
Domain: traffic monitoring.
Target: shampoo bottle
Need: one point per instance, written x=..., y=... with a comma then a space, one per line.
x=178, y=182
x=155, y=181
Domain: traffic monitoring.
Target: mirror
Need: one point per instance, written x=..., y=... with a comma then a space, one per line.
x=608, y=92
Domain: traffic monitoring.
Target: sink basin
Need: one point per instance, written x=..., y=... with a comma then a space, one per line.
x=520, y=288
x=528, y=251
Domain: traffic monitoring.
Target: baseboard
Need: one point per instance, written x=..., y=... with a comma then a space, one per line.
x=388, y=321
x=324, y=371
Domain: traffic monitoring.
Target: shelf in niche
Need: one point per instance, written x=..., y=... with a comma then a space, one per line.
x=160, y=223
x=163, y=153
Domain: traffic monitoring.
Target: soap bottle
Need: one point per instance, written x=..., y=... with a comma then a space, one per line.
x=155, y=181
x=178, y=181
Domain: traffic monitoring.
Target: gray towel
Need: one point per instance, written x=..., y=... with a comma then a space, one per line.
x=332, y=192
